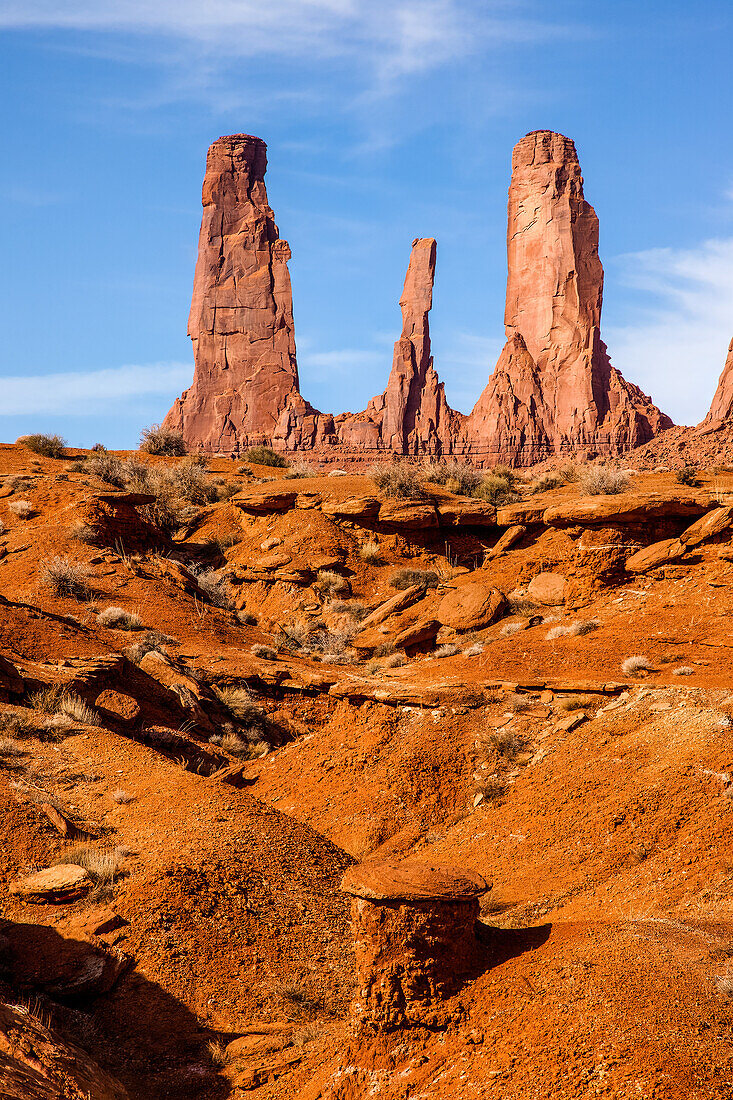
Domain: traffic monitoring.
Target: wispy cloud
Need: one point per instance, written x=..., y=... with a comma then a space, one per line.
x=91, y=393
x=677, y=341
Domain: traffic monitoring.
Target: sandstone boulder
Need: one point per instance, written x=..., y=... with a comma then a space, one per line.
x=471, y=605
x=266, y=500
x=469, y=513
x=412, y=517
x=63, y=882
x=711, y=524
x=353, y=508
x=624, y=508
x=510, y=538
x=548, y=589
x=659, y=553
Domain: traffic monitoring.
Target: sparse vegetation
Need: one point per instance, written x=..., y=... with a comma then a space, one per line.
x=457, y=477
x=688, y=475
x=370, y=552
x=122, y=798
x=107, y=468
x=577, y=702
x=511, y=628
x=243, y=747
x=301, y=469
x=152, y=640
x=86, y=533
x=157, y=440
x=116, y=618
x=603, y=480
x=635, y=664
x=397, y=479
x=266, y=456
x=498, y=486
x=448, y=650
x=23, y=509
x=10, y=749
x=47, y=700
x=519, y=603
x=507, y=743
x=79, y=711
x=240, y=704
x=572, y=630
x=333, y=584
x=65, y=578
x=406, y=578
x=395, y=660
x=102, y=864
x=474, y=650
x=50, y=446
x=264, y=651
x=683, y=670
x=215, y=588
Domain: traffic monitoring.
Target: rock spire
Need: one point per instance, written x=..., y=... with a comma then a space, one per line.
x=722, y=406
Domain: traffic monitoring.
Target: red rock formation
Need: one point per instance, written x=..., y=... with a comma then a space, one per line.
x=553, y=390
x=554, y=387
x=241, y=319
x=722, y=406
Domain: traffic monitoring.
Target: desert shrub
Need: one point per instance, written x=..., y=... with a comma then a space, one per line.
x=240, y=704
x=577, y=702
x=370, y=552
x=333, y=584
x=98, y=447
x=352, y=608
x=79, y=711
x=50, y=446
x=519, y=604
x=571, y=630
x=683, y=670
x=518, y=703
x=688, y=475
x=153, y=640
x=458, y=477
x=249, y=750
x=107, y=468
x=157, y=440
x=102, y=864
x=264, y=651
x=16, y=725
x=190, y=481
x=395, y=660
x=498, y=486
x=474, y=650
x=65, y=578
x=23, y=509
x=116, y=618
x=266, y=456
x=406, y=578
x=47, y=700
x=603, y=480
x=9, y=749
x=448, y=650
x=635, y=664
x=397, y=479
x=511, y=628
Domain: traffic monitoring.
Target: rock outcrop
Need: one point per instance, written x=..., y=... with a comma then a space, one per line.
x=721, y=409
x=554, y=388
x=241, y=319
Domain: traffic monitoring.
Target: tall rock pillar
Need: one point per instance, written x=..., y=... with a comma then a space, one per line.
x=241, y=319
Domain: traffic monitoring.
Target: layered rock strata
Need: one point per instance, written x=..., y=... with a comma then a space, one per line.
x=554, y=389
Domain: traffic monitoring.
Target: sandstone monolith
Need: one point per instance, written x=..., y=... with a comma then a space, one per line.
x=721, y=408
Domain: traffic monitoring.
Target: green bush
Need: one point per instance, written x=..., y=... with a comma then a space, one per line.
x=50, y=446
x=265, y=456
x=157, y=440
x=498, y=486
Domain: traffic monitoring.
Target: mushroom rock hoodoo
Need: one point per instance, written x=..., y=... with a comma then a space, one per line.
x=554, y=387
x=414, y=939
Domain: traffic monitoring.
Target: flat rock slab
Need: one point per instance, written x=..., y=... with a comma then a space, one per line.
x=266, y=501
x=352, y=508
x=712, y=523
x=624, y=508
x=471, y=513
x=59, y=883
x=659, y=553
x=413, y=517
x=412, y=881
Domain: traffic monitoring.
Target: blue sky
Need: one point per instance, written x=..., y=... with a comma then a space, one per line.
x=385, y=120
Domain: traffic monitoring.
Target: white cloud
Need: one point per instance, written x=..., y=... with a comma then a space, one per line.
x=90, y=393
x=320, y=366
x=676, y=343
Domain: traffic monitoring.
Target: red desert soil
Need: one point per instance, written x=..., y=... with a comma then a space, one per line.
x=268, y=722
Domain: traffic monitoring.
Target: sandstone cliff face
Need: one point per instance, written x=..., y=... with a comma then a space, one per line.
x=721, y=408
x=554, y=387
x=241, y=319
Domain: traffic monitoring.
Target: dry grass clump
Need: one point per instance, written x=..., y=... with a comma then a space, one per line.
x=215, y=588
x=474, y=650
x=153, y=640
x=511, y=628
x=333, y=584
x=352, y=608
x=10, y=749
x=370, y=552
x=265, y=456
x=47, y=700
x=116, y=618
x=457, y=477
x=107, y=468
x=301, y=469
x=577, y=702
x=683, y=670
x=573, y=630
x=102, y=864
x=243, y=747
x=157, y=440
x=122, y=798
x=397, y=479
x=264, y=651
x=79, y=711
x=498, y=486
x=406, y=578
x=240, y=704
x=50, y=446
x=519, y=604
x=23, y=509
x=447, y=650
x=65, y=578
x=507, y=743
x=602, y=480
x=16, y=725
x=635, y=664
x=395, y=660
x=86, y=533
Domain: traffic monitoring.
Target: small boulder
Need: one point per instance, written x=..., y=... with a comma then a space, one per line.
x=659, y=553
x=547, y=589
x=470, y=605
x=63, y=882
x=413, y=517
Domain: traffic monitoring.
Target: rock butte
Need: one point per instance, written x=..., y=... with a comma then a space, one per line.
x=553, y=390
